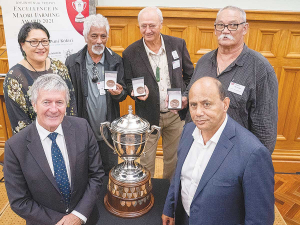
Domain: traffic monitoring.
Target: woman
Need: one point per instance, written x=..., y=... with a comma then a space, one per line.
x=34, y=41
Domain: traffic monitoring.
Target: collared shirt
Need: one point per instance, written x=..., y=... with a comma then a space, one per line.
x=96, y=103
x=256, y=108
x=195, y=164
x=60, y=140
x=160, y=60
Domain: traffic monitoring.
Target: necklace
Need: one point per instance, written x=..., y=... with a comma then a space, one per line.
x=34, y=68
x=157, y=74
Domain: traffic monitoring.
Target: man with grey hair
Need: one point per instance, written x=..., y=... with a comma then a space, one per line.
x=87, y=69
x=248, y=77
x=53, y=170
x=164, y=62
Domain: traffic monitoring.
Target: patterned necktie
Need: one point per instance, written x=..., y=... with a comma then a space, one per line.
x=60, y=171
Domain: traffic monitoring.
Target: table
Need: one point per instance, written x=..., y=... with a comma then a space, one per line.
x=153, y=217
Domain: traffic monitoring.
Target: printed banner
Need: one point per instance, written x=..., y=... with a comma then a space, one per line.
x=63, y=19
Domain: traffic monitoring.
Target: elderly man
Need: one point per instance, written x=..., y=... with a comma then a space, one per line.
x=53, y=171
x=87, y=69
x=248, y=77
x=224, y=174
x=164, y=62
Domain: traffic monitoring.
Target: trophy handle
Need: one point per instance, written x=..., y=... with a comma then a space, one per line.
x=153, y=127
x=74, y=7
x=107, y=124
x=84, y=6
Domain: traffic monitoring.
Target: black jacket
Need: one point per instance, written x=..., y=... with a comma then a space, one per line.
x=76, y=65
x=136, y=64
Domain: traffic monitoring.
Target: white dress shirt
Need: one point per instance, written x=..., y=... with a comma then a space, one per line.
x=195, y=164
x=60, y=140
x=160, y=59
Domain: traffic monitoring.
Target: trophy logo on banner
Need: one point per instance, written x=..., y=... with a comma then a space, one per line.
x=79, y=6
x=77, y=10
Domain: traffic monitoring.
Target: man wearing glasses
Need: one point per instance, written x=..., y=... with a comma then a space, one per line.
x=247, y=76
x=87, y=69
x=164, y=62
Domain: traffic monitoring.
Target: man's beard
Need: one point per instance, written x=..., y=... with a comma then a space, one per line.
x=95, y=49
x=229, y=36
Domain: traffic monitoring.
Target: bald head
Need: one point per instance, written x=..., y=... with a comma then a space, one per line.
x=209, y=82
x=208, y=105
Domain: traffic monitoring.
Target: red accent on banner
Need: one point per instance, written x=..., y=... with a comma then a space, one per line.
x=77, y=10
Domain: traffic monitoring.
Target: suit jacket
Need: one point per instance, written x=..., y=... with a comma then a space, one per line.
x=76, y=65
x=136, y=64
x=237, y=186
x=31, y=187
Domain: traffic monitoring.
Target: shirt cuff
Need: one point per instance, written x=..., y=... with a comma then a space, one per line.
x=80, y=216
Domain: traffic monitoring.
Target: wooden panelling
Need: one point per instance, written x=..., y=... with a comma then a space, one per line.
x=267, y=42
x=293, y=46
x=276, y=35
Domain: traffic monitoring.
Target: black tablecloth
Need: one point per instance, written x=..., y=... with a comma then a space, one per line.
x=153, y=217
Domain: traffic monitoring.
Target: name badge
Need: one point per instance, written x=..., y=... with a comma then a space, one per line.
x=175, y=55
x=236, y=88
x=176, y=64
x=100, y=86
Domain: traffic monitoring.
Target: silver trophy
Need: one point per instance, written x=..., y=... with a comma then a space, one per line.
x=129, y=187
x=79, y=6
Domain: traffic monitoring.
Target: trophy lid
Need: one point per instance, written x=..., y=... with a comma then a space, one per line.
x=130, y=123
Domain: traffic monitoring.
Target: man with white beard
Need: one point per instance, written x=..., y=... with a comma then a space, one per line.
x=247, y=76
x=87, y=69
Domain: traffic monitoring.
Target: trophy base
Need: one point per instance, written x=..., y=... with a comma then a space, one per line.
x=79, y=18
x=129, y=200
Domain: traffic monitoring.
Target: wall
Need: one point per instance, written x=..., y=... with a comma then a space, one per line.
x=280, y=5
x=276, y=35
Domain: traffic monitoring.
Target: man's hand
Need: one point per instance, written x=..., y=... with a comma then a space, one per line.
x=142, y=98
x=183, y=105
x=70, y=219
x=117, y=91
x=167, y=220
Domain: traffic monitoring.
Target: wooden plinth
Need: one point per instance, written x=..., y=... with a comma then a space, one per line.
x=129, y=200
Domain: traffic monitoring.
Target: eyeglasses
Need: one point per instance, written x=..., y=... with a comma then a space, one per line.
x=36, y=43
x=230, y=27
x=95, y=73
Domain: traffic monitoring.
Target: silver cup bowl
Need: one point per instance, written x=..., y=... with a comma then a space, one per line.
x=129, y=134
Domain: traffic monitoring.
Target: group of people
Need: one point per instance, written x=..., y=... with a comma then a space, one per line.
x=217, y=148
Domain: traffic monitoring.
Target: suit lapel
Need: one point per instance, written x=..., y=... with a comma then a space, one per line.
x=168, y=47
x=145, y=58
x=183, y=150
x=221, y=151
x=69, y=135
x=37, y=151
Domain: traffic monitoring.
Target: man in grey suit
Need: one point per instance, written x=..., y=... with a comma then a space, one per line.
x=53, y=170
x=224, y=174
x=164, y=62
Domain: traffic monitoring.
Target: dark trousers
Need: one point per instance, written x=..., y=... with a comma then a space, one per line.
x=109, y=159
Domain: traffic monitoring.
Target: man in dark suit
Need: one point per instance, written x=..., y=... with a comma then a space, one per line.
x=224, y=174
x=53, y=171
x=164, y=62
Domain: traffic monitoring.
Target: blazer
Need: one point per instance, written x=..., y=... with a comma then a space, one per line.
x=136, y=64
x=76, y=65
x=237, y=186
x=31, y=187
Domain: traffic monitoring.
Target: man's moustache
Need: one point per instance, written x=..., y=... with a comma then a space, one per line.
x=230, y=37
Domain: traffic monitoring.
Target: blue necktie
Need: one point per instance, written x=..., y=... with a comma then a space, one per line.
x=60, y=171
